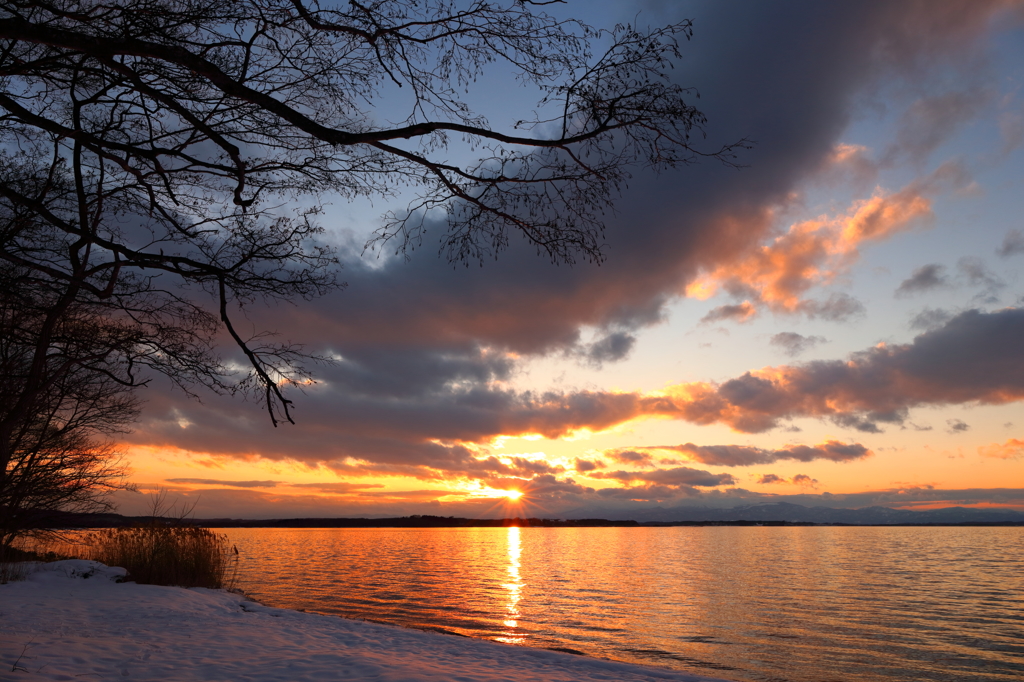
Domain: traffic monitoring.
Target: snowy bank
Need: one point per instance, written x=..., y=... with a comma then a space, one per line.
x=71, y=620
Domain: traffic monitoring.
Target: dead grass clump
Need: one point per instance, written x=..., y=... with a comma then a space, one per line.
x=157, y=554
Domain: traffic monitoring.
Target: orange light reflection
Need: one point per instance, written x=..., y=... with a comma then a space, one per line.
x=515, y=588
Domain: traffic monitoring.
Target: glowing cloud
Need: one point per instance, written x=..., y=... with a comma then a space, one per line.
x=1011, y=449
x=816, y=252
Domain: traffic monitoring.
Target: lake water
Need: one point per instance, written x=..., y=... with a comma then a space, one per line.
x=742, y=603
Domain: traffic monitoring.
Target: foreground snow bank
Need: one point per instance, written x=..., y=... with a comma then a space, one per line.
x=72, y=620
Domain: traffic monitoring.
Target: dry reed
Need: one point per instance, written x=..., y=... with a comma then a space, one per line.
x=157, y=554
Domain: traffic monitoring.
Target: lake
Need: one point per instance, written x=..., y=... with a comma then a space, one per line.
x=742, y=603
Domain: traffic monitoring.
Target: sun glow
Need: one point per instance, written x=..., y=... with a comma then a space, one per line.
x=480, y=491
x=494, y=492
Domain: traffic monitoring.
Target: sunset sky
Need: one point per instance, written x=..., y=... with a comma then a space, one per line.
x=839, y=322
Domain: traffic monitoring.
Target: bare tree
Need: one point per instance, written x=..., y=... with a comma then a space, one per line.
x=59, y=458
x=151, y=151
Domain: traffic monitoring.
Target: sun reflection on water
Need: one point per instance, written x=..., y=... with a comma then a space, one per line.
x=512, y=634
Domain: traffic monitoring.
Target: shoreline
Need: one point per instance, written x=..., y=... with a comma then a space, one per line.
x=112, y=520
x=71, y=619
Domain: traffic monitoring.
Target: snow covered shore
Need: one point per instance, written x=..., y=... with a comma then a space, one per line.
x=70, y=620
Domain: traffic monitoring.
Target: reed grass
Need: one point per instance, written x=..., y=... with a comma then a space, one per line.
x=157, y=554
x=11, y=571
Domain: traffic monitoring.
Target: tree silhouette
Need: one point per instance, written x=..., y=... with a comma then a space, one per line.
x=162, y=162
x=58, y=458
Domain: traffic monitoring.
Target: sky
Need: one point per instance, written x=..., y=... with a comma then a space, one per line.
x=837, y=322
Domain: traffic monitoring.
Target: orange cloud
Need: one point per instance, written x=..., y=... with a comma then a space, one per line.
x=1011, y=449
x=816, y=252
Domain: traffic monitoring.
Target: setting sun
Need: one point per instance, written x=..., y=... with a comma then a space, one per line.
x=495, y=492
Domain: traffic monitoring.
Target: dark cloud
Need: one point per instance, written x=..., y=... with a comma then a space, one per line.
x=633, y=457
x=672, y=478
x=836, y=308
x=613, y=347
x=977, y=275
x=976, y=272
x=957, y=426
x=1013, y=243
x=972, y=272
x=932, y=120
x=794, y=344
x=585, y=465
x=799, y=479
x=740, y=312
x=930, y=318
x=924, y=278
x=859, y=423
x=976, y=357
x=746, y=455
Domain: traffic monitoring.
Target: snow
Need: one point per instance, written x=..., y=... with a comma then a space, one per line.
x=73, y=620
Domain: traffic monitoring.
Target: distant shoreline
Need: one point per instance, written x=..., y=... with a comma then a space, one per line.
x=86, y=521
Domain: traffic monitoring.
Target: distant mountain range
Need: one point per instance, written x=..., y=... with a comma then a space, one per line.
x=795, y=513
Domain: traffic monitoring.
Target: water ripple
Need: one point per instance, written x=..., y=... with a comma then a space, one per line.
x=761, y=604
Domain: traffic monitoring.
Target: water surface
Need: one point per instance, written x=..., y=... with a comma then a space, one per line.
x=743, y=603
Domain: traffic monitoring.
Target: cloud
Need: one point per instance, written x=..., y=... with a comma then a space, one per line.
x=817, y=252
x=1013, y=448
x=957, y=426
x=740, y=312
x=836, y=308
x=977, y=275
x=611, y=348
x=745, y=455
x=931, y=120
x=976, y=357
x=1013, y=244
x=231, y=484
x=672, y=478
x=338, y=487
x=585, y=465
x=972, y=272
x=930, y=318
x=799, y=479
x=805, y=480
x=924, y=278
x=630, y=457
x=794, y=344
x=427, y=352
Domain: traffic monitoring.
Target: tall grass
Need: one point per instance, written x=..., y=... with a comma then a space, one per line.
x=11, y=571
x=158, y=554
